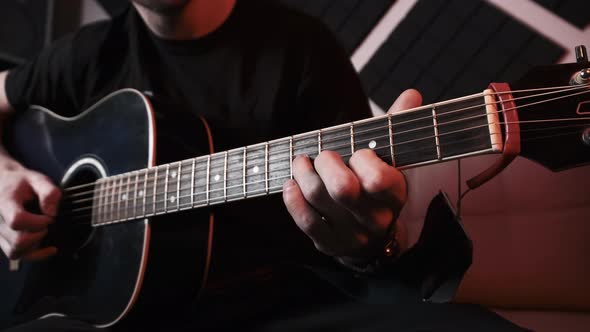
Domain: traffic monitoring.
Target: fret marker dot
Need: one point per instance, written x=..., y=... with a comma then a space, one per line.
x=372, y=144
x=255, y=169
x=217, y=177
x=140, y=193
x=123, y=197
x=172, y=199
x=173, y=174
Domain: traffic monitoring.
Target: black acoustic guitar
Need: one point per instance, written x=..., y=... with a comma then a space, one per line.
x=104, y=161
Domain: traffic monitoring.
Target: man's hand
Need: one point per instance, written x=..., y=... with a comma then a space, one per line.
x=21, y=231
x=347, y=211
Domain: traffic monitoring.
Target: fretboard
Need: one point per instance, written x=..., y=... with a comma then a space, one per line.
x=428, y=134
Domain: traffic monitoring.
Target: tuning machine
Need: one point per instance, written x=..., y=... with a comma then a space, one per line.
x=582, y=76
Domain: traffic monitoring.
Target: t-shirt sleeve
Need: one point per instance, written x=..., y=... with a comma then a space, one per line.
x=48, y=80
x=330, y=92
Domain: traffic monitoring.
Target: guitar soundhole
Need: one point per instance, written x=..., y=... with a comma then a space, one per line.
x=72, y=230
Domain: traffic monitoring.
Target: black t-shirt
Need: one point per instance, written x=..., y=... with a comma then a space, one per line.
x=266, y=73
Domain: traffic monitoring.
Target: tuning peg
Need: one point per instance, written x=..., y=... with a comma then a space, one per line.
x=581, y=54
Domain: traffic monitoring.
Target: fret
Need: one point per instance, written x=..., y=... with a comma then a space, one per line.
x=374, y=134
x=201, y=179
x=216, y=181
x=391, y=145
x=266, y=167
x=412, y=134
x=155, y=180
x=291, y=157
x=193, y=182
x=279, y=163
x=184, y=184
x=96, y=202
x=235, y=174
x=352, y=138
x=244, y=172
x=225, y=177
x=255, y=158
x=178, y=177
x=436, y=136
x=305, y=144
x=208, y=169
x=127, y=197
x=134, y=213
x=319, y=141
x=143, y=192
x=463, y=127
x=172, y=189
x=119, y=196
x=166, y=177
x=106, y=203
x=338, y=140
x=140, y=193
x=161, y=187
x=114, y=200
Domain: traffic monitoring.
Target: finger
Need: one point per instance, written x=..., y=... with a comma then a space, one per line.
x=6, y=248
x=340, y=182
x=408, y=99
x=307, y=218
x=316, y=194
x=22, y=242
x=379, y=180
x=19, y=219
x=48, y=194
x=40, y=254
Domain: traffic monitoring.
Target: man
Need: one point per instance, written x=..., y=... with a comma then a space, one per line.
x=256, y=72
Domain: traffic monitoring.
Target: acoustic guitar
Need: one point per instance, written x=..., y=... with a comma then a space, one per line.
x=109, y=264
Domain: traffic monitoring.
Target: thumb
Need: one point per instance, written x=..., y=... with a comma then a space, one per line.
x=408, y=99
x=48, y=194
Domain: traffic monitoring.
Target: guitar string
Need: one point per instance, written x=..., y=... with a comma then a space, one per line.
x=222, y=165
x=426, y=107
x=261, y=190
x=186, y=206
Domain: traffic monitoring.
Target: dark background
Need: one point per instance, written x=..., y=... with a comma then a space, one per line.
x=444, y=48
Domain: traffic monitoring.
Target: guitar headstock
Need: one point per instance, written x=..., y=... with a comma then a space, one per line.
x=553, y=104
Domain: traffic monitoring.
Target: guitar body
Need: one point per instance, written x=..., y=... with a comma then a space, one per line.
x=100, y=273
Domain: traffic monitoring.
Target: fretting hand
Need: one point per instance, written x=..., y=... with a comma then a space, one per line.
x=348, y=210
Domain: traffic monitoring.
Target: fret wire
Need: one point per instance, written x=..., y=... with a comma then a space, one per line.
x=225, y=177
x=266, y=166
x=119, y=186
x=390, y=125
x=244, y=174
x=319, y=141
x=351, y=138
x=95, y=206
x=178, y=178
x=193, y=182
x=291, y=156
x=155, y=186
x=166, y=187
x=135, y=194
x=145, y=181
x=127, y=197
x=113, y=198
x=436, y=137
x=207, y=183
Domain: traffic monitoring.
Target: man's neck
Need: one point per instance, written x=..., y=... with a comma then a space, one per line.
x=196, y=19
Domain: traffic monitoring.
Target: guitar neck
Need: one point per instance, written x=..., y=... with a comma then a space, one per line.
x=429, y=134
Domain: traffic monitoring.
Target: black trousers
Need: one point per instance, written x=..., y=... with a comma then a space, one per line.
x=301, y=303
